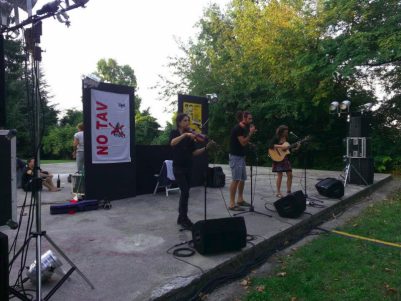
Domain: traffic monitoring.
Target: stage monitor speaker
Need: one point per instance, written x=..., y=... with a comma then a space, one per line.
x=362, y=171
x=292, y=205
x=4, y=278
x=359, y=126
x=330, y=187
x=216, y=177
x=219, y=235
x=8, y=179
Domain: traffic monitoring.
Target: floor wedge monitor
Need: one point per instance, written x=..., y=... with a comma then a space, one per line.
x=330, y=187
x=292, y=205
x=219, y=235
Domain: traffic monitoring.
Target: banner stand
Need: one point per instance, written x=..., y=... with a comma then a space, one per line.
x=109, y=139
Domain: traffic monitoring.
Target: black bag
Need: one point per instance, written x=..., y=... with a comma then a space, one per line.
x=216, y=177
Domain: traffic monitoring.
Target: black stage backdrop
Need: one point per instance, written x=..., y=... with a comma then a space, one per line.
x=115, y=180
x=149, y=161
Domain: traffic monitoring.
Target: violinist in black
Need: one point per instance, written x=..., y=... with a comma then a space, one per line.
x=183, y=142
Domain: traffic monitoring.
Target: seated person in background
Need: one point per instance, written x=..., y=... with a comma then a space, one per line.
x=27, y=177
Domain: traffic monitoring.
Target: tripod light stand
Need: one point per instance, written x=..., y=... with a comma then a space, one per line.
x=32, y=45
x=36, y=195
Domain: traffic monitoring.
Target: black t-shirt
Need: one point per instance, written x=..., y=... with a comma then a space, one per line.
x=235, y=146
x=182, y=152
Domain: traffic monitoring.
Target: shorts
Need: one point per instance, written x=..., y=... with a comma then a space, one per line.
x=237, y=165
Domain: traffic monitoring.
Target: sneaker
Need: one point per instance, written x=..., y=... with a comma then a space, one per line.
x=244, y=204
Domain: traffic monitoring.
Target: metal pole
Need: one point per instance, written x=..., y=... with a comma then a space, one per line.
x=37, y=195
x=2, y=85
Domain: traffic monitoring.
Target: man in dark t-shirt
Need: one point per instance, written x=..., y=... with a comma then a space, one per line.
x=239, y=139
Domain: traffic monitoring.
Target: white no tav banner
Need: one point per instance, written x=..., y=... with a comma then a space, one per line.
x=110, y=127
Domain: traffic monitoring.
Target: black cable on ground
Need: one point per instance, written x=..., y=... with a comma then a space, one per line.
x=184, y=252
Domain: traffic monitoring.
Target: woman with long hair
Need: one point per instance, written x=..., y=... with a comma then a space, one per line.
x=279, y=142
x=183, y=142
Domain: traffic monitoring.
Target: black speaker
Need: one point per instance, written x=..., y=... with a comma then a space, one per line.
x=216, y=177
x=292, y=205
x=3, y=267
x=330, y=187
x=359, y=126
x=8, y=180
x=362, y=171
x=219, y=235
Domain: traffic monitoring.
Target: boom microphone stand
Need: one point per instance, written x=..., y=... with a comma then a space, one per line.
x=252, y=208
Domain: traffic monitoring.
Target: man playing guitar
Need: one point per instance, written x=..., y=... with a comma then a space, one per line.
x=280, y=145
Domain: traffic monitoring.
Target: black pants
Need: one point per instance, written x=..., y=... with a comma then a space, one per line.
x=183, y=179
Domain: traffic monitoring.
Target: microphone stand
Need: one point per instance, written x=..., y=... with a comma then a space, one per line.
x=308, y=199
x=252, y=208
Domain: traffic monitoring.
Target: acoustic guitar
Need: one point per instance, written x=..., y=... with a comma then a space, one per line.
x=278, y=154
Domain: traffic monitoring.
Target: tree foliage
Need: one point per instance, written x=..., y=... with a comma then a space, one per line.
x=146, y=128
x=20, y=102
x=58, y=143
x=111, y=72
x=285, y=61
x=72, y=117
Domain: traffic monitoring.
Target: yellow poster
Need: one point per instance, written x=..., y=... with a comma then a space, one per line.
x=194, y=111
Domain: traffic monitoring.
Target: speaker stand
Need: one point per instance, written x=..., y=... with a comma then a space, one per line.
x=252, y=208
x=347, y=172
x=205, y=190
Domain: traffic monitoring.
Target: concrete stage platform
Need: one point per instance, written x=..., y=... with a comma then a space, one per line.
x=123, y=251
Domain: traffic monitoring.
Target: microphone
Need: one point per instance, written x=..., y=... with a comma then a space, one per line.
x=292, y=133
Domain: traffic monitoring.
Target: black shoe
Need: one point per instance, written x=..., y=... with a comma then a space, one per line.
x=244, y=204
x=180, y=219
x=185, y=222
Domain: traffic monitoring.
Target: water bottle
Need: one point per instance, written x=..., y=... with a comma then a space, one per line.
x=58, y=181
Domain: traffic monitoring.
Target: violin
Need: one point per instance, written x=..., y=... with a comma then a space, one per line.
x=198, y=136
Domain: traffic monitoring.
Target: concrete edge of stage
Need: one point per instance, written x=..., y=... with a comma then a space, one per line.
x=263, y=249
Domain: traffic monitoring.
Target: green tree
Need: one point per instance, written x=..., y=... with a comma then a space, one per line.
x=71, y=117
x=146, y=128
x=111, y=72
x=285, y=61
x=58, y=143
x=20, y=107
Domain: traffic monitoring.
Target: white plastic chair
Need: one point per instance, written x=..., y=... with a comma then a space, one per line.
x=165, y=178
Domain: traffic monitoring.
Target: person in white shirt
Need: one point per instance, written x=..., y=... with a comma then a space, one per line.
x=78, y=153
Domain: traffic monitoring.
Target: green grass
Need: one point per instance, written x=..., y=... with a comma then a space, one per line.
x=335, y=268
